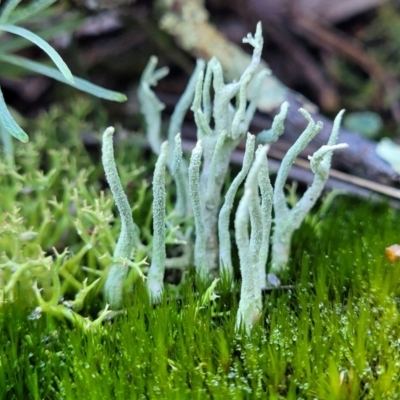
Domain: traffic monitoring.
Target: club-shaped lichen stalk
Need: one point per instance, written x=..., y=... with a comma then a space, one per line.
x=249, y=213
x=225, y=256
x=200, y=259
x=155, y=277
x=128, y=238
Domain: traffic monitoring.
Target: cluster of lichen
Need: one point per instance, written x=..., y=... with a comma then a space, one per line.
x=199, y=223
x=222, y=123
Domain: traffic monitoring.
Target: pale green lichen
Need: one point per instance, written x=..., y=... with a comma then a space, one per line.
x=155, y=276
x=229, y=127
x=267, y=193
x=200, y=256
x=272, y=135
x=288, y=220
x=249, y=213
x=183, y=105
x=225, y=256
x=150, y=106
x=176, y=164
x=179, y=173
x=222, y=115
x=128, y=238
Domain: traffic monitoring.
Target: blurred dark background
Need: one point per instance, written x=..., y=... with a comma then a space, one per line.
x=337, y=54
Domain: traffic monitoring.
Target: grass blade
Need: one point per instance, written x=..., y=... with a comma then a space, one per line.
x=32, y=37
x=9, y=122
x=8, y=8
x=79, y=83
x=17, y=43
x=29, y=11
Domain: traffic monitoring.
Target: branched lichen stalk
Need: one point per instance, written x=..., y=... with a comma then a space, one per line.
x=267, y=195
x=128, y=238
x=225, y=257
x=287, y=221
x=255, y=212
x=155, y=277
x=201, y=118
x=230, y=122
x=182, y=106
x=150, y=106
x=245, y=313
x=256, y=85
x=179, y=173
x=280, y=207
x=256, y=237
x=271, y=135
x=250, y=303
x=217, y=146
x=212, y=185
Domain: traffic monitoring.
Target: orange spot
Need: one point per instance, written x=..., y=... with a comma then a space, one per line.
x=393, y=252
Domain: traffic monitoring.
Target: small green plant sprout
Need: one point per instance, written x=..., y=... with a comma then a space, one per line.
x=286, y=220
x=10, y=17
x=209, y=296
x=68, y=309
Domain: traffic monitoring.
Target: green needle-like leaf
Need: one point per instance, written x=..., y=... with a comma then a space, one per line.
x=32, y=37
x=9, y=122
x=79, y=83
x=23, y=13
x=7, y=9
x=46, y=33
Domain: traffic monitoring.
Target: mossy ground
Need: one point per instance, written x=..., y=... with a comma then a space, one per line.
x=334, y=335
